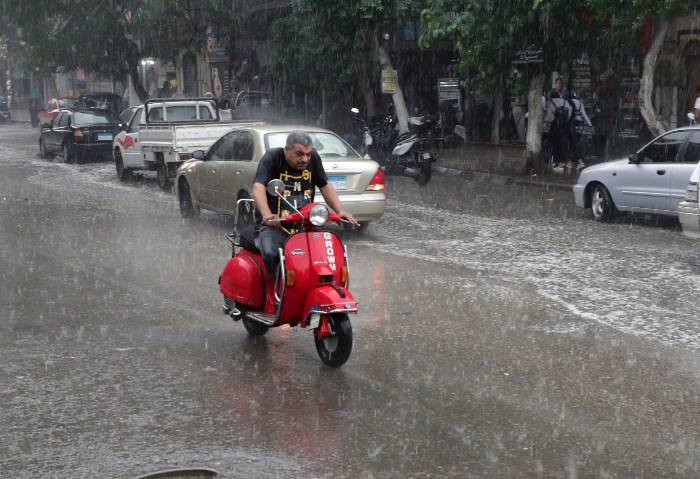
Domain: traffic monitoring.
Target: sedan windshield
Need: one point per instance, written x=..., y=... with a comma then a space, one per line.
x=66, y=103
x=94, y=117
x=327, y=145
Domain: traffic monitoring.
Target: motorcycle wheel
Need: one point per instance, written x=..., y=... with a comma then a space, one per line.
x=424, y=175
x=254, y=328
x=336, y=348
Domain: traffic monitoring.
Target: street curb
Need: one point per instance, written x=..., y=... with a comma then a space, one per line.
x=475, y=175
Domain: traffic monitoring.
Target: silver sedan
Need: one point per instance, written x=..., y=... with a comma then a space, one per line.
x=653, y=180
x=217, y=179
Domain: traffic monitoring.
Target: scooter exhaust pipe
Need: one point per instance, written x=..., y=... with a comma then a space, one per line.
x=410, y=172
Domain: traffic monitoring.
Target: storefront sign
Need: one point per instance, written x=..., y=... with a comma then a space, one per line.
x=390, y=81
x=531, y=54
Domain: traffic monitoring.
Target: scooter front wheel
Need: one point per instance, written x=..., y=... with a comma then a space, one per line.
x=335, y=349
x=254, y=328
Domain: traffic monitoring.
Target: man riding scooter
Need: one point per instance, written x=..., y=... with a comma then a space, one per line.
x=299, y=166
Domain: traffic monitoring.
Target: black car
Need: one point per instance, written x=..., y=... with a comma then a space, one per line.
x=79, y=134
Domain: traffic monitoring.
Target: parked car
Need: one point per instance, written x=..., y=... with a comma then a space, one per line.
x=689, y=209
x=217, y=179
x=652, y=180
x=53, y=106
x=101, y=100
x=79, y=134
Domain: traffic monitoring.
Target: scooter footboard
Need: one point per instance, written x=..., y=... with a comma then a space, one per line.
x=328, y=300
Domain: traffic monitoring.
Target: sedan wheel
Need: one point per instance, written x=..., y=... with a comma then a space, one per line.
x=42, y=150
x=69, y=155
x=187, y=207
x=602, y=205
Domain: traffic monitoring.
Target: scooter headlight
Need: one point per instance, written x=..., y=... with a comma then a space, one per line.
x=318, y=215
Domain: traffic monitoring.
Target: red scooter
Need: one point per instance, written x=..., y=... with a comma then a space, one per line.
x=311, y=285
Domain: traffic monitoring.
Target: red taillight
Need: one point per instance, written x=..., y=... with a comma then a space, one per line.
x=78, y=134
x=377, y=183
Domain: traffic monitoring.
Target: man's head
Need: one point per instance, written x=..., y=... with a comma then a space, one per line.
x=298, y=149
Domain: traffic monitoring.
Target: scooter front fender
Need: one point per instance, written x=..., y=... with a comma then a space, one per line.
x=329, y=299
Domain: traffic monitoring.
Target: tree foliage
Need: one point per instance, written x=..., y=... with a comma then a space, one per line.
x=489, y=33
x=328, y=46
x=62, y=35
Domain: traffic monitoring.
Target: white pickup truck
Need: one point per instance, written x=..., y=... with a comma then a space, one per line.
x=161, y=134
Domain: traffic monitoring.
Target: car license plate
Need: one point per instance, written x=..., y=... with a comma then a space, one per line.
x=339, y=182
x=314, y=320
x=104, y=137
x=426, y=156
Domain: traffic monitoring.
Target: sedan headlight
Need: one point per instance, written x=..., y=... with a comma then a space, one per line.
x=691, y=193
x=318, y=215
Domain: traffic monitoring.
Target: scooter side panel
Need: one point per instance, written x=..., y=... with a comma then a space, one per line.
x=242, y=280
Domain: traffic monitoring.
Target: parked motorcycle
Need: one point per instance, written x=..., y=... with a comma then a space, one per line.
x=311, y=287
x=4, y=111
x=409, y=154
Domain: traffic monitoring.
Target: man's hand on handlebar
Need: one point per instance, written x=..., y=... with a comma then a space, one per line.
x=349, y=218
x=272, y=220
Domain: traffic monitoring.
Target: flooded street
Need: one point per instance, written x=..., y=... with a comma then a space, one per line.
x=501, y=334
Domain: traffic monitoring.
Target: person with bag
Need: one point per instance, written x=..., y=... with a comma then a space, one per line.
x=578, y=124
x=558, y=114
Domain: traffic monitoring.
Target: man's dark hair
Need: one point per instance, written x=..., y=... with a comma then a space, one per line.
x=300, y=137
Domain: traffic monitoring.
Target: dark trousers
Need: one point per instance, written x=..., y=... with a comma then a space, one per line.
x=269, y=241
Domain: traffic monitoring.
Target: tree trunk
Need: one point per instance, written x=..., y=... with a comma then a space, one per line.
x=362, y=78
x=496, y=118
x=534, y=122
x=399, y=103
x=136, y=81
x=646, y=85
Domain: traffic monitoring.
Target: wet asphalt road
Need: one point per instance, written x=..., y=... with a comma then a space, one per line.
x=501, y=334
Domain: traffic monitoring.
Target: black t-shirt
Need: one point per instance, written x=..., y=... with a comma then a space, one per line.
x=299, y=184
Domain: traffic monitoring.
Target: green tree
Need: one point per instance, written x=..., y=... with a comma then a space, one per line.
x=62, y=35
x=624, y=21
x=330, y=46
x=488, y=33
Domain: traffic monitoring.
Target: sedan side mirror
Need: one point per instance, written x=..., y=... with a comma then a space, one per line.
x=198, y=154
x=634, y=158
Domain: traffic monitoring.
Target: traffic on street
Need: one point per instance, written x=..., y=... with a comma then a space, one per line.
x=500, y=333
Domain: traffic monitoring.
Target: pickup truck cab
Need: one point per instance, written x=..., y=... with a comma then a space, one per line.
x=161, y=134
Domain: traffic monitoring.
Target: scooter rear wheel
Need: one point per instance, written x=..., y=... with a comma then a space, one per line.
x=254, y=328
x=336, y=348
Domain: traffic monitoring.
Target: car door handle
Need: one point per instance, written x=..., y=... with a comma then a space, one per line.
x=660, y=172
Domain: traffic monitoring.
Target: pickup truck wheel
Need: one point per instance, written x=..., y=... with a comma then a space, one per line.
x=162, y=175
x=123, y=173
x=188, y=209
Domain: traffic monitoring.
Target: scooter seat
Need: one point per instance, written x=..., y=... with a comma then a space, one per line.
x=247, y=239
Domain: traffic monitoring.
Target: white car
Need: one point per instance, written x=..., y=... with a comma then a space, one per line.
x=653, y=180
x=217, y=179
x=689, y=209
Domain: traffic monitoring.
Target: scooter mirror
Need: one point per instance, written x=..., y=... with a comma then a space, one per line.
x=275, y=187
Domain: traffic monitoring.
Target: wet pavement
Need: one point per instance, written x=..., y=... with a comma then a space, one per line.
x=501, y=334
